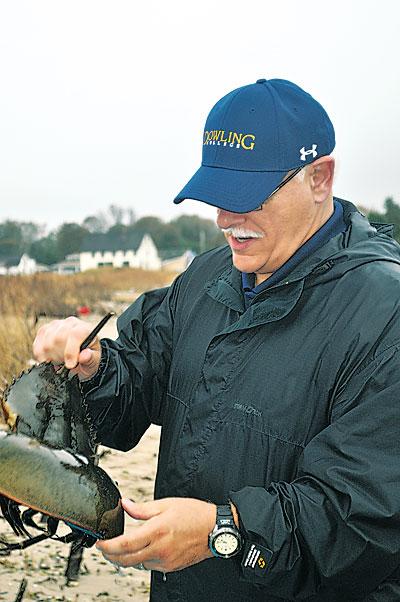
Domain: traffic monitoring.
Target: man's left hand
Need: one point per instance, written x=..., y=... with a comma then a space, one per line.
x=174, y=535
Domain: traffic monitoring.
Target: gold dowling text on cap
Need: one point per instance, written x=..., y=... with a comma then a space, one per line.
x=231, y=139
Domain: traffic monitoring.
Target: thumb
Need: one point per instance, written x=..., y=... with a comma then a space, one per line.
x=89, y=360
x=141, y=511
x=86, y=356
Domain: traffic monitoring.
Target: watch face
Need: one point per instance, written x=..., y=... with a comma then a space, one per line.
x=226, y=543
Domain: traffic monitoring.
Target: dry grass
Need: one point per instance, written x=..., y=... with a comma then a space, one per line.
x=56, y=295
x=24, y=298
x=16, y=338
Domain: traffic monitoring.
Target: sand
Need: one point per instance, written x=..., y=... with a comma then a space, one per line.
x=43, y=565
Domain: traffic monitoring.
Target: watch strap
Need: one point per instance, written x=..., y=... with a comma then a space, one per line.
x=225, y=516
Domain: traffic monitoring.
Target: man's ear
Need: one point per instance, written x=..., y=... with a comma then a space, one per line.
x=321, y=178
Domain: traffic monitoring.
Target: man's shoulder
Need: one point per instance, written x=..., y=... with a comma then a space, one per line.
x=373, y=287
x=204, y=268
x=211, y=262
x=380, y=271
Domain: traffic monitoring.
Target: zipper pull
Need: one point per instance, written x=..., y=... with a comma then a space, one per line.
x=323, y=268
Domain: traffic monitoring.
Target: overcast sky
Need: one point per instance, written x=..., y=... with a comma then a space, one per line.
x=104, y=102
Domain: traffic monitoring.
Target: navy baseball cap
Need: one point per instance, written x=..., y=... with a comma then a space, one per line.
x=253, y=136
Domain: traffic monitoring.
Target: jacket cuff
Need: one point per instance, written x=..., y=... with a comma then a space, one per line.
x=257, y=557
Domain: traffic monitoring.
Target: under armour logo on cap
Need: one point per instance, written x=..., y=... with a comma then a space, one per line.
x=312, y=151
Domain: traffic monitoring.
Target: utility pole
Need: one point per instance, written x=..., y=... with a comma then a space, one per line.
x=202, y=241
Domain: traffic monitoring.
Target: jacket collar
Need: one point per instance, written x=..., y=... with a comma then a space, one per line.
x=227, y=287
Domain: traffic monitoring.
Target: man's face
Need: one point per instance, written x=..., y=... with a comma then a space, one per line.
x=262, y=241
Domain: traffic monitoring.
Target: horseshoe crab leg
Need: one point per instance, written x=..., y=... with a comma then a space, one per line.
x=11, y=513
x=51, y=522
x=77, y=540
x=6, y=548
x=21, y=590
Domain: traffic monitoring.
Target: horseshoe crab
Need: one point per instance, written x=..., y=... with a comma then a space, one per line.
x=47, y=461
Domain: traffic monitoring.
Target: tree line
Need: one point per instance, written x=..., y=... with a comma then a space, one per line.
x=118, y=226
x=390, y=215
x=115, y=230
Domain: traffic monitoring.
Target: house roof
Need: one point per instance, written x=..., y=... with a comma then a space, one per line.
x=9, y=262
x=166, y=254
x=103, y=242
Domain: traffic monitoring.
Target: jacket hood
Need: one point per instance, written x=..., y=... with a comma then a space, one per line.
x=361, y=243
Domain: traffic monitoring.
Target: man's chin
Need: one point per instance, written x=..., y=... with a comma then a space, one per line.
x=243, y=263
x=251, y=266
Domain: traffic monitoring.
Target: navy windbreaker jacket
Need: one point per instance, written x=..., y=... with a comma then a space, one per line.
x=290, y=408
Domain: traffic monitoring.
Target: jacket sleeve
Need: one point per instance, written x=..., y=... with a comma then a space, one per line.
x=338, y=523
x=128, y=392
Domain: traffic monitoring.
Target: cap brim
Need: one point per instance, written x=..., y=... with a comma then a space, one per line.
x=232, y=190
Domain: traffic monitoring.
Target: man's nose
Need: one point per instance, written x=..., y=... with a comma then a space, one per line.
x=227, y=219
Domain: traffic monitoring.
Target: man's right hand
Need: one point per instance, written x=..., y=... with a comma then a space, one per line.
x=59, y=342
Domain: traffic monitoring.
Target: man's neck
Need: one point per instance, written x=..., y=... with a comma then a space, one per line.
x=323, y=218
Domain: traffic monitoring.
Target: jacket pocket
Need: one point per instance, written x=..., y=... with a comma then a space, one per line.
x=229, y=444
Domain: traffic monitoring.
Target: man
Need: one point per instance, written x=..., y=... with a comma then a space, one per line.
x=272, y=366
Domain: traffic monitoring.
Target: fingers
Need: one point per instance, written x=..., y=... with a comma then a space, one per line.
x=127, y=546
x=137, y=545
x=72, y=339
x=128, y=552
x=45, y=346
x=60, y=341
x=143, y=511
x=139, y=559
x=173, y=536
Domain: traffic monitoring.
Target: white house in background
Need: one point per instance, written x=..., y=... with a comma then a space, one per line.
x=96, y=255
x=145, y=256
x=69, y=265
x=22, y=264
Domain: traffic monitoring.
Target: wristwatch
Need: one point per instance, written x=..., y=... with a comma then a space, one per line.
x=225, y=540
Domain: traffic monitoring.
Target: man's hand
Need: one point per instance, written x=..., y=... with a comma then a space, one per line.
x=59, y=342
x=173, y=536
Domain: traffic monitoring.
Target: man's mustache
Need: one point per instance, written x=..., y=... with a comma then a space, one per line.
x=238, y=232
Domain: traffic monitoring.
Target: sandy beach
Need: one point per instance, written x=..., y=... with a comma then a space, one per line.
x=43, y=565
